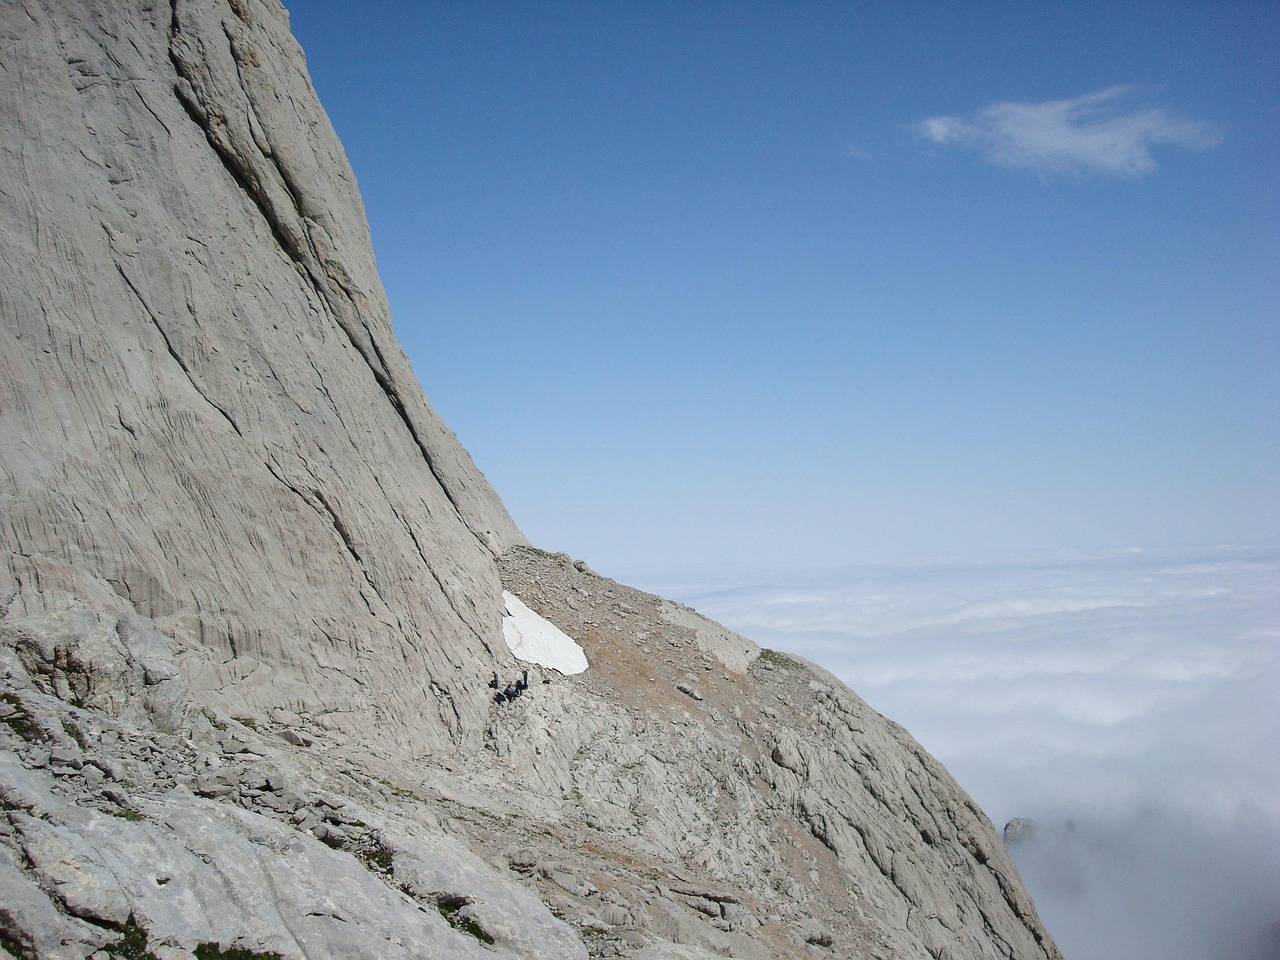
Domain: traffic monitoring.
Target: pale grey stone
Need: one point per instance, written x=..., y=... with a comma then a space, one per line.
x=66, y=755
x=69, y=863
x=36, y=924
x=39, y=757
x=212, y=786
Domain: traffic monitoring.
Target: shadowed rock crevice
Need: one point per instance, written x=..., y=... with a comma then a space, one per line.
x=168, y=344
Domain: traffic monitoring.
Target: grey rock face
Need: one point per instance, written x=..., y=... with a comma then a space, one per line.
x=250, y=597
x=208, y=421
x=187, y=871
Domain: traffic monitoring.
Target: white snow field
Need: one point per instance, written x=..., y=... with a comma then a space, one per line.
x=539, y=641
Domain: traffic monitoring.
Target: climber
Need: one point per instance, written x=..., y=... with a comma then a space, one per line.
x=511, y=690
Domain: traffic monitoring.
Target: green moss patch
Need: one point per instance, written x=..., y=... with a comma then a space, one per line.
x=450, y=906
x=20, y=720
x=16, y=948
x=132, y=944
x=212, y=951
x=776, y=659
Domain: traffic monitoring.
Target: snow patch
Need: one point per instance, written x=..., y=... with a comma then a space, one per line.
x=539, y=641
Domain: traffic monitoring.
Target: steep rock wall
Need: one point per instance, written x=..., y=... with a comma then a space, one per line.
x=208, y=420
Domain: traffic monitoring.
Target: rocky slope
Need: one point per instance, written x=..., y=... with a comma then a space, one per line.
x=251, y=596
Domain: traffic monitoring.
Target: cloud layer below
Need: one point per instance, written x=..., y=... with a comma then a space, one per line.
x=1095, y=132
x=1126, y=703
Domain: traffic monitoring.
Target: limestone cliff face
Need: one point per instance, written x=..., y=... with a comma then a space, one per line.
x=251, y=594
x=207, y=419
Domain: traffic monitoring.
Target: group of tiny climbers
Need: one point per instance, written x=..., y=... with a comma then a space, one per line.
x=511, y=690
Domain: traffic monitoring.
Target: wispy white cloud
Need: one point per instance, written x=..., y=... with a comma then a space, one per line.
x=1100, y=132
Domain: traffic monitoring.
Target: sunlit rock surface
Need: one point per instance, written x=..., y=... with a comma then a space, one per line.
x=252, y=597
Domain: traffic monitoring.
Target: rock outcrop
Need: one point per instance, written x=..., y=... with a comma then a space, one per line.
x=251, y=596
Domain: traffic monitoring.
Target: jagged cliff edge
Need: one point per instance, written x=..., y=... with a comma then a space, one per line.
x=224, y=496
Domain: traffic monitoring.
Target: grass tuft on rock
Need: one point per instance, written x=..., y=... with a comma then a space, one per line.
x=450, y=906
x=75, y=733
x=212, y=951
x=132, y=944
x=15, y=948
x=20, y=720
x=775, y=658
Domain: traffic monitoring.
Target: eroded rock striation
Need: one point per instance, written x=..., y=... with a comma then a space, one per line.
x=207, y=418
x=251, y=597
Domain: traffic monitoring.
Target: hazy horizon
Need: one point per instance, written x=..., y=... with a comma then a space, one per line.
x=1125, y=702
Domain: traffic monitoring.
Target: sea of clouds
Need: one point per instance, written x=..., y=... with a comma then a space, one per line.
x=1127, y=704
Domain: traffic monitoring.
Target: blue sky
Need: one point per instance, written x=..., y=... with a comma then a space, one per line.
x=836, y=282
